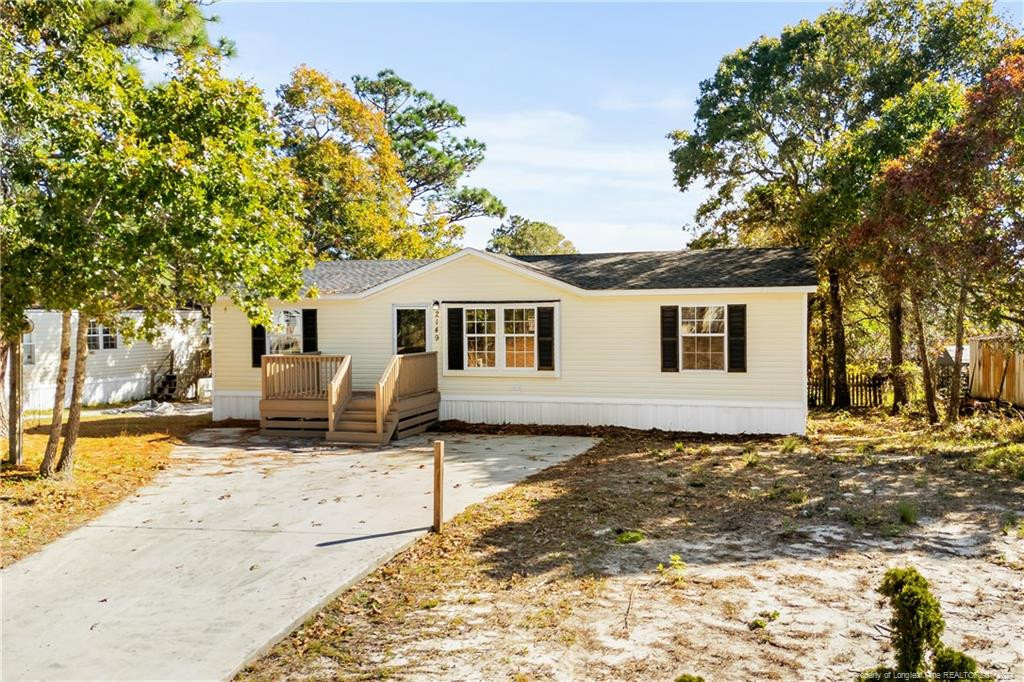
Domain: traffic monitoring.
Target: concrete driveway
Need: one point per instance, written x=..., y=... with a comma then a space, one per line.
x=231, y=548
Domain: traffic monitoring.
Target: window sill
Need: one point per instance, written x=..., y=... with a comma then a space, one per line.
x=505, y=373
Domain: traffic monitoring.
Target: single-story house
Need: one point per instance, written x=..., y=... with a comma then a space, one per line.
x=116, y=371
x=706, y=340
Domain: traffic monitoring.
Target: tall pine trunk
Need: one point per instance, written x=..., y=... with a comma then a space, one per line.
x=896, y=374
x=66, y=465
x=49, y=463
x=826, y=367
x=926, y=365
x=953, y=408
x=3, y=383
x=15, y=408
x=841, y=399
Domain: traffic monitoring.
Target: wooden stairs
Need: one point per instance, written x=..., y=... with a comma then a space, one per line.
x=404, y=402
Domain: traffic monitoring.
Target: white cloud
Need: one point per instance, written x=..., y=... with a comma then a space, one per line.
x=536, y=126
x=676, y=101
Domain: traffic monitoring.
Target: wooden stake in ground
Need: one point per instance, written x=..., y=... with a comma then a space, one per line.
x=438, y=485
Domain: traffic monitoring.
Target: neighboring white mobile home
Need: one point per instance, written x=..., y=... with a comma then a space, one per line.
x=711, y=340
x=117, y=370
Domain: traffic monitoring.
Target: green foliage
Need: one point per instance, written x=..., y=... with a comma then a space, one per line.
x=908, y=513
x=687, y=677
x=751, y=459
x=519, y=236
x=121, y=196
x=628, y=537
x=674, y=573
x=916, y=620
x=434, y=159
x=353, y=190
x=152, y=25
x=789, y=445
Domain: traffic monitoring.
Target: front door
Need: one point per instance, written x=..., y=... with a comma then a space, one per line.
x=410, y=329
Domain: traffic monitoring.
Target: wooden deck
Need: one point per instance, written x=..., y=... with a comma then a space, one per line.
x=313, y=395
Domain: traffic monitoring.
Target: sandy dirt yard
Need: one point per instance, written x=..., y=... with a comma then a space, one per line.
x=779, y=545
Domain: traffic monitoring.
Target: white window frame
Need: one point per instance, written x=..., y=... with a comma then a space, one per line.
x=724, y=334
x=425, y=307
x=498, y=341
x=102, y=333
x=499, y=344
x=271, y=334
x=28, y=349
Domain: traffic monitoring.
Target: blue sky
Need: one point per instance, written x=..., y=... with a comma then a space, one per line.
x=573, y=100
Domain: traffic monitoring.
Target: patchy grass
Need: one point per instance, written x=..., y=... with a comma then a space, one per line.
x=115, y=456
x=530, y=584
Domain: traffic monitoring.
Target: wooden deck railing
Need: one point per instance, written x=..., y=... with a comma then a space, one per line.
x=298, y=377
x=385, y=393
x=417, y=374
x=339, y=392
x=405, y=375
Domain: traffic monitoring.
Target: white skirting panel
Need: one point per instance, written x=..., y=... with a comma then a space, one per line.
x=94, y=392
x=704, y=417
x=236, y=405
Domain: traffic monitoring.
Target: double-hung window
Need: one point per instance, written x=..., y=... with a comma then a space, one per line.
x=501, y=337
x=703, y=337
x=98, y=336
x=481, y=337
x=28, y=349
x=285, y=334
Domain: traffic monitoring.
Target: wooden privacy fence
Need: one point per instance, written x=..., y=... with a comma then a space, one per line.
x=865, y=389
x=996, y=370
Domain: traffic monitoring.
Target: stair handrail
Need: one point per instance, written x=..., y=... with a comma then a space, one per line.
x=339, y=392
x=385, y=393
x=158, y=371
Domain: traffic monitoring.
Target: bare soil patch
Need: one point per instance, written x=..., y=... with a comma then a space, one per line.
x=781, y=543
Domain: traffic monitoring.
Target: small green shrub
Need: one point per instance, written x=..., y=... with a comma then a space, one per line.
x=916, y=619
x=908, y=513
x=679, y=447
x=674, y=573
x=789, y=445
x=797, y=496
x=916, y=627
x=751, y=459
x=687, y=677
x=628, y=537
x=1009, y=522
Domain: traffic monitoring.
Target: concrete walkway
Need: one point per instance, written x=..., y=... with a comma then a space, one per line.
x=232, y=548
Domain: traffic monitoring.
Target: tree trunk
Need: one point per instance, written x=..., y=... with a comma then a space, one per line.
x=841, y=399
x=953, y=408
x=15, y=439
x=826, y=367
x=49, y=463
x=926, y=365
x=66, y=465
x=3, y=386
x=896, y=374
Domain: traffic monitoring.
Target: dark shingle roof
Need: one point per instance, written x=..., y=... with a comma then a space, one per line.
x=354, y=276
x=697, y=269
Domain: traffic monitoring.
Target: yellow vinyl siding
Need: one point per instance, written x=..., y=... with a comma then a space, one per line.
x=608, y=346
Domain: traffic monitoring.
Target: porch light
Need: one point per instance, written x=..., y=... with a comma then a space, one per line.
x=437, y=306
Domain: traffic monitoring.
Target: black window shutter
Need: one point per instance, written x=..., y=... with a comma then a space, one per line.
x=259, y=344
x=309, y=344
x=669, y=338
x=546, y=338
x=737, y=344
x=455, y=360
